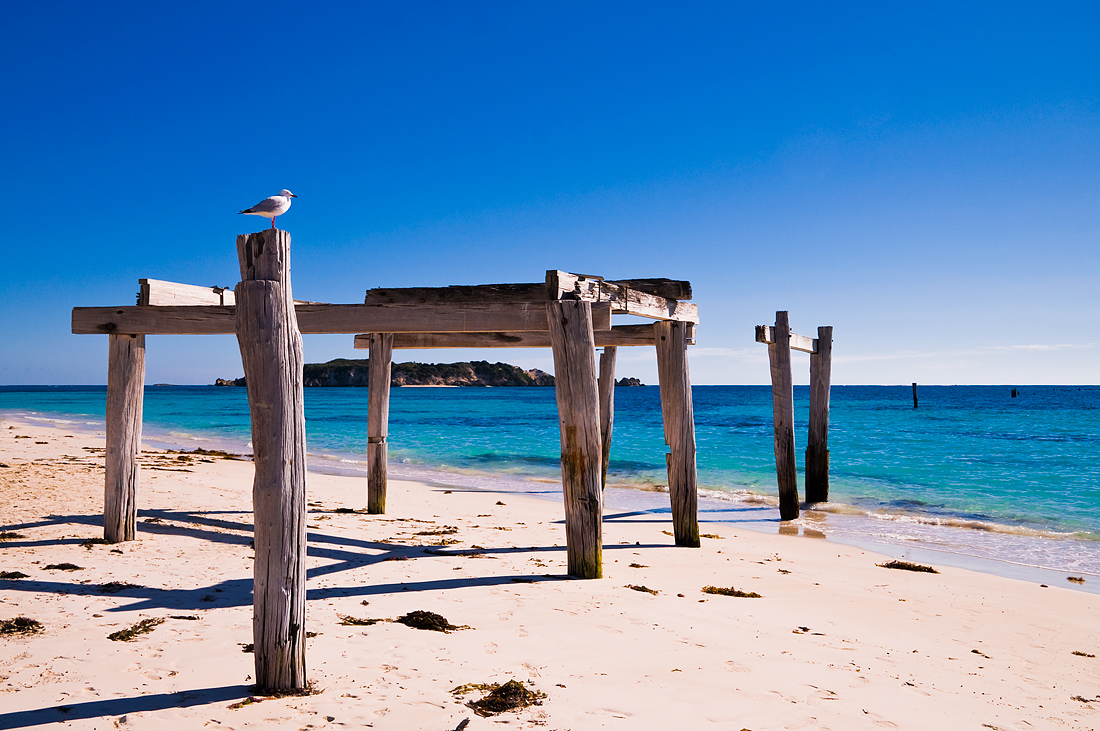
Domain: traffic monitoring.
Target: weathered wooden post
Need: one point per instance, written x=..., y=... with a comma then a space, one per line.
x=378, y=417
x=914, y=395
x=607, y=406
x=779, y=354
x=671, y=339
x=575, y=387
x=125, y=395
x=817, y=442
x=271, y=351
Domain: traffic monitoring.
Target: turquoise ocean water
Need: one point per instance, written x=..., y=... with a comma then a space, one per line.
x=972, y=472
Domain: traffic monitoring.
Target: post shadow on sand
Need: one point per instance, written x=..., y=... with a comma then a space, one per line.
x=121, y=706
x=238, y=592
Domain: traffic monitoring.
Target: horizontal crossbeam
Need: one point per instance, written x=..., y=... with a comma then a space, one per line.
x=624, y=335
x=327, y=319
x=766, y=334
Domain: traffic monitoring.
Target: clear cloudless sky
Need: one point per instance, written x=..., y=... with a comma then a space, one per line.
x=924, y=177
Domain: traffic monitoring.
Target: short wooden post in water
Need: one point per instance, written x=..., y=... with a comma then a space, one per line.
x=914, y=395
x=579, y=418
x=679, y=420
x=125, y=392
x=271, y=351
x=378, y=417
x=607, y=406
x=817, y=441
x=779, y=353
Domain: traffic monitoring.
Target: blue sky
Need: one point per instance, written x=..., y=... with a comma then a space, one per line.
x=923, y=177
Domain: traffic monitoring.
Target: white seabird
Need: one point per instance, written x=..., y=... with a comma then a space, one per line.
x=276, y=205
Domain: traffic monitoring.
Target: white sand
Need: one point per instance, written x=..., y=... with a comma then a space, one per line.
x=881, y=648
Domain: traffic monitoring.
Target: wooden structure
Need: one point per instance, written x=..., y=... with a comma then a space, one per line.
x=569, y=313
x=781, y=341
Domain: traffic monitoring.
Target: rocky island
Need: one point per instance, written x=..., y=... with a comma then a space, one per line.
x=345, y=372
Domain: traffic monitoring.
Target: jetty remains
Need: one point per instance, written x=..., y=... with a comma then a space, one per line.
x=781, y=341
x=569, y=313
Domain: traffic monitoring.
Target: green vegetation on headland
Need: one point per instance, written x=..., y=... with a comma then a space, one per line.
x=344, y=372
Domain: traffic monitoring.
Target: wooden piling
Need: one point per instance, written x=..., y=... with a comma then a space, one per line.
x=378, y=416
x=914, y=395
x=577, y=394
x=125, y=393
x=271, y=351
x=607, y=407
x=779, y=354
x=817, y=442
x=679, y=422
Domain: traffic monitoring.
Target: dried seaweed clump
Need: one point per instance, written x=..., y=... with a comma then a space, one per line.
x=12, y=575
x=639, y=587
x=64, y=567
x=731, y=591
x=10, y=536
x=421, y=619
x=907, y=566
x=20, y=626
x=508, y=697
x=356, y=621
x=1076, y=579
x=143, y=627
x=114, y=587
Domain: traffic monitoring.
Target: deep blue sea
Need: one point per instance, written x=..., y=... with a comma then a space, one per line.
x=972, y=472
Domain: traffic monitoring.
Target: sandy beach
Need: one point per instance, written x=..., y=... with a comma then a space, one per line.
x=834, y=641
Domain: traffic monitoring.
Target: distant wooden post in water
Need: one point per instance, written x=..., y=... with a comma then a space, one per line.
x=271, y=351
x=817, y=439
x=378, y=416
x=914, y=395
x=125, y=395
x=781, y=341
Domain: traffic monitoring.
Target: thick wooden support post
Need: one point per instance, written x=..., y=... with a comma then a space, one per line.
x=271, y=351
x=607, y=407
x=817, y=442
x=378, y=417
x=579, y=418
x=914, y=395
x=679, y=420
x=125, y=391
x=779, y=354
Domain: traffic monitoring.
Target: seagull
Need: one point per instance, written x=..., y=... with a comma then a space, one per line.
x=276, y=205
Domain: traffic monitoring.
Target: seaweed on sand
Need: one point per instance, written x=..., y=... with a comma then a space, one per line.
x=145, y=626
x=64, y=567
x=421, y=619
x=20, y=626
x=731, y=591
x=639, y=587
x=12, y=575
x=357, y=622
x=908, y=566
x=508, y=697
x=10, y=536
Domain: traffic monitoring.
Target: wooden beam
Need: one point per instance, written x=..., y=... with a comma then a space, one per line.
x=607, y=407
x=457, y=294
x=322, y=319
x=159, y=293
x=779, y=354
x=578, y=418
x=618, y=335
x=766, y=334
x=623, y=299
x=271, y=351
x=125, y=394
x=672, y=289
x=679, y=422
x=817, y=440
x=378, y=418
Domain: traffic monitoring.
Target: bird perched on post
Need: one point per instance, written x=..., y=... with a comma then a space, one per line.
x=276, y=205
